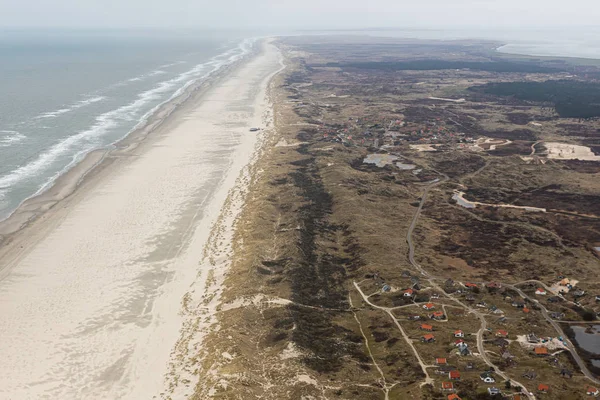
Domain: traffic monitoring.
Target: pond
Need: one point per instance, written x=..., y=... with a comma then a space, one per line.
x=380, y=160
x=588, y=340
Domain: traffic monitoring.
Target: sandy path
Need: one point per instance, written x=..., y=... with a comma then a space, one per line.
x=91, y=308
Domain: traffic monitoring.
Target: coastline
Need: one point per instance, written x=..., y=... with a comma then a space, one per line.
x=67, y=183
x=104, y=257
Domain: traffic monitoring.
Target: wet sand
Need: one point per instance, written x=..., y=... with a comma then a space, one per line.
x=91, y=291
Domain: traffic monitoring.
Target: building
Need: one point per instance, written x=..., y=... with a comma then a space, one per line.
x=592, y=391
x=494, y=391
x=453, y=396
x=441, y=361
x=447, y=386
x=540, y=291
x=428, y=338
x=437, y=315
x=408, y=293
x=541, y=351
x=459, y=334
x=487, y=377
x=532, y=338
x=429, y=306
x=454, y=375
x=425, y=327
x=501, y=333
x=470, y=285
x=543, y=388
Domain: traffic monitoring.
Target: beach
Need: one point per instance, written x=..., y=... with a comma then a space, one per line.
x=128, y=250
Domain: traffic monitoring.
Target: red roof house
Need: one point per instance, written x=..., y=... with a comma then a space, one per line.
x=454, y=375
x=453, y=396
x=502, y=333
x=437, y=315
x=441, y=361
x=543, y=388
x=429, y=306
x=541, y=351
x=428, y=338
x=425, y=327
x=459, y=333
x=447, y=386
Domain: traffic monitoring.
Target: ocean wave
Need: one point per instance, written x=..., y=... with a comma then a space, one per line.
x=76, y=106
x=85, y=141
x=8, y=138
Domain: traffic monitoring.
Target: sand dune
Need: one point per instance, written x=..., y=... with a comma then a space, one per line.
x=90, y=306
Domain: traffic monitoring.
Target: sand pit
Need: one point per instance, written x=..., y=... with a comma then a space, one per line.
x=565, y=151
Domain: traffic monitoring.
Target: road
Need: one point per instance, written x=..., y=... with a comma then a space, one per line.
x=432, y=279
x=558, y=329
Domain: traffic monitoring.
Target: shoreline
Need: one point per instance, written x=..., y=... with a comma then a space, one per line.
x=115, y=271
x=33, y=207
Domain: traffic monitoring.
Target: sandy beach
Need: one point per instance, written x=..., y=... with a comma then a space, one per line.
x=106, y=293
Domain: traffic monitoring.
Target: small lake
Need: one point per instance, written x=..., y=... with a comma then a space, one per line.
x=380, y=160
x=588, y=341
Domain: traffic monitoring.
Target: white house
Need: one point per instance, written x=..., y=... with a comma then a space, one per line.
x=540, y=291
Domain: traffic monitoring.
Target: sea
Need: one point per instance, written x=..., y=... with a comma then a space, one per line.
x=66, y=93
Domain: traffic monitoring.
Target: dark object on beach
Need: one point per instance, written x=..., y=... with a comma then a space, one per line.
x=254, y=129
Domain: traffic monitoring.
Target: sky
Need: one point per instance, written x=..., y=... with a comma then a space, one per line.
x=298, y=14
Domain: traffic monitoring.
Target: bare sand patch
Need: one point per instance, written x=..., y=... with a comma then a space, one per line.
x=566, y=151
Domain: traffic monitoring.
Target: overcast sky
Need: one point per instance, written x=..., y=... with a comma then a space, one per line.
x=310, y=14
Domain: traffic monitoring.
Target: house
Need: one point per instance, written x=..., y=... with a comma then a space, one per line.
x=526, y=310
x=507, y=356
x=414, y=318
x=454, y=375
x=445, y=369
x=408, y=293
x=598, y=297
x=554, y=299
x=459, y=333
x=541, y=351
x=543, y=388
x=564, y=282
x=494, y=391
x=540, y=291
x=434, y=296
x=500, y=342
x=447, y=386
x=566, y=373
x=518, y=304
x=441, y=361
x=531, y=375
x=437, y=315
x=386, y=288
x=487, y=377
x=428, y=338
x=532, y=338
x=458, y=342
x=578, y=293
x=425, y=327
x=463, y=349
x=501, y=333
x=592, y=391
x=470, y=366
x=493, y=285
x=470, y=285
x=453, y=396
x=470, y=298
x=557, y=315
x=429, y=306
